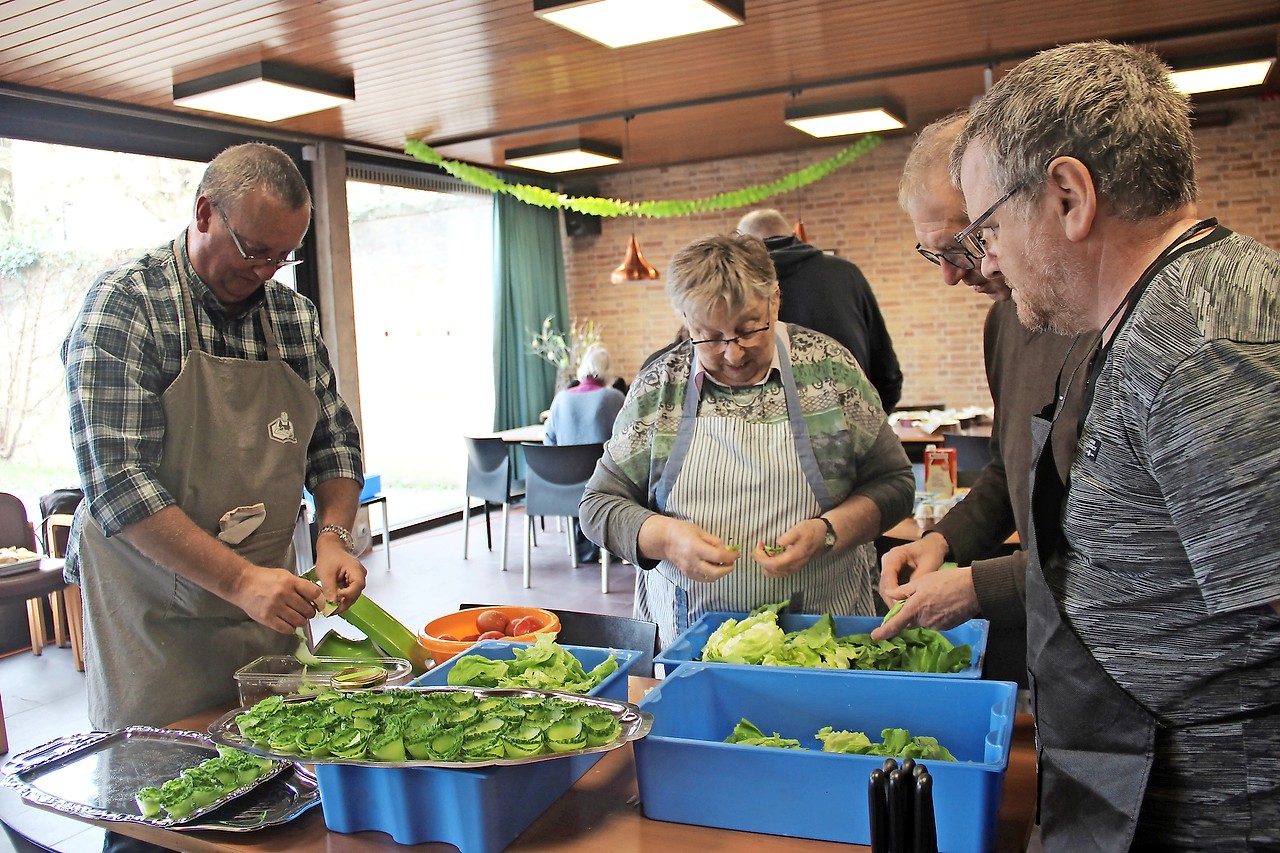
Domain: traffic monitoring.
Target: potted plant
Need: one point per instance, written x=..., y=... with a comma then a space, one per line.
x=565, y=350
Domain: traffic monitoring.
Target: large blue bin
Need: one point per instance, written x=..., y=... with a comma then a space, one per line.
x=687, y=774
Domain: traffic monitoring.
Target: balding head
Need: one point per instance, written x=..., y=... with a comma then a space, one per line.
x=765, y=223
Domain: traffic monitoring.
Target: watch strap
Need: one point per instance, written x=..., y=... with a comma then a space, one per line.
x=342, y=533
x=830, y=541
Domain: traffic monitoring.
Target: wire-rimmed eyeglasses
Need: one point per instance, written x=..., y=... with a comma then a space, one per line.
x=958, y=257
x=745, y=339
x=970, y=239
x=257, y=260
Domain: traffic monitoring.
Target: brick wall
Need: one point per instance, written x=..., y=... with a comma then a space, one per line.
x=937, y=331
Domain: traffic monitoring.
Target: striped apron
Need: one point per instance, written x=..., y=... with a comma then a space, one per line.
x=746, y=483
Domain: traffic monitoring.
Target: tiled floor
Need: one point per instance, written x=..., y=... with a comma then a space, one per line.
x=44, y=697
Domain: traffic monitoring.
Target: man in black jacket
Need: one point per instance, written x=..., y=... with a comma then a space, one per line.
x=830, y=295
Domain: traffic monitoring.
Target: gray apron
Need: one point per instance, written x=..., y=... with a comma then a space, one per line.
x=766, y=480
x=159, y=647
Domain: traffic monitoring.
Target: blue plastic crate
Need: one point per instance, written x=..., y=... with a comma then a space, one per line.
x=477, y=810
x=689, y=645
x=812, y=794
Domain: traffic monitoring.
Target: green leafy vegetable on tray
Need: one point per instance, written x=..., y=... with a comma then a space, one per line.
x=201, y=785
x=441, y=726
x=759, y=639
x=895, y=743
x=545, y=665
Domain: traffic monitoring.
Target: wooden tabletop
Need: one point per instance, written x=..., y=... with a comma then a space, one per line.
x=600, y=813
x=533, y=432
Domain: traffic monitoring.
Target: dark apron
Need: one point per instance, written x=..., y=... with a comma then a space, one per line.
x=1095, y=742
x=158, y=646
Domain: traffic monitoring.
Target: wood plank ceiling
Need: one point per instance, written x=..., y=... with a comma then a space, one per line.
x=474, y=77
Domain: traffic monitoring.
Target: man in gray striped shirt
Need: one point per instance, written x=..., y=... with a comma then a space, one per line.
x=1153, y=593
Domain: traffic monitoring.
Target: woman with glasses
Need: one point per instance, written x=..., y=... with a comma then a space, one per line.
x=751, y=464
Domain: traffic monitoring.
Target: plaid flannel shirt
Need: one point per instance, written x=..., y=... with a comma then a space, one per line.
x=126, y=347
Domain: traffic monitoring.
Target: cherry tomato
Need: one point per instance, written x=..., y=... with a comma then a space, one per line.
x=447, y=637
x=492, y=635
x=492, y=620
x=523, y=625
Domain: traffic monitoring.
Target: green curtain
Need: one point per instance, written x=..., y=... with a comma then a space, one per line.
x=529, y=285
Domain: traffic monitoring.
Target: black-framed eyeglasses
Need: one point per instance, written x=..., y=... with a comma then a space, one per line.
x=970, y=239
x=257, y=260
x=958, y=257
x=745, y=339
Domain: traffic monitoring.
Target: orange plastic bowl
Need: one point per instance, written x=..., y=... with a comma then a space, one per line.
x=463, y=626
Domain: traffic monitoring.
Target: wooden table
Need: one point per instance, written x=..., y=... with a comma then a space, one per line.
x=533, y=432
x=599, y=813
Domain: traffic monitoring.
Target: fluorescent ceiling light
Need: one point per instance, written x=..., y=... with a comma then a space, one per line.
x=1216, y=78
x=566, y=156
x=621, y=23
x=843, y=119
x=266, y=91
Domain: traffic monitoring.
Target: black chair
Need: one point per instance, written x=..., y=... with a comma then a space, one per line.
x=555, y=477
x=973, y=452
x=33, y=586
x=600, y=630
x=488, y=478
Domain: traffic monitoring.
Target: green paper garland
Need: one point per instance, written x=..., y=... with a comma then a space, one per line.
x=543, y=197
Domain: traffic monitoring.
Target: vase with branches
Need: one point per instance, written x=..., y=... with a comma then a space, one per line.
x=564, y=350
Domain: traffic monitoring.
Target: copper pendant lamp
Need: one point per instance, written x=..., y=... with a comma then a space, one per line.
x=633, y=267
x=801, y=234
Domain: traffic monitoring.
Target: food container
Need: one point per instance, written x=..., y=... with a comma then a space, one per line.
x=283, y=675
x=613, y=687
x=689, y=645
x=479, y=810
x=462, y=625
x=687, y=774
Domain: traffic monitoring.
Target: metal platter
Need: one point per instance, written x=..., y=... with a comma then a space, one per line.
x=96, y=774
x=633, y=723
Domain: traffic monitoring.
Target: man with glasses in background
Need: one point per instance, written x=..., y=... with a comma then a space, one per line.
x=749, y=465
x=829, y=294
x=1153, y=597
x=1022, y=374
x=202, y=401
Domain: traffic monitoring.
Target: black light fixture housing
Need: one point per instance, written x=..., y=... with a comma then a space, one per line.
x=266, y=91
x=567, y=155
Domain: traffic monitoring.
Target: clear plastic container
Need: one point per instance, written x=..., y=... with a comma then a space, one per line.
x=284, y=675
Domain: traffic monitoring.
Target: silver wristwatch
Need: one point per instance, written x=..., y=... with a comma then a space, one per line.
x=342, y=533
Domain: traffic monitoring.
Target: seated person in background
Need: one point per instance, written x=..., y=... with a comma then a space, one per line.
x=752, y=435
x=584, y=414
x=1022, y=370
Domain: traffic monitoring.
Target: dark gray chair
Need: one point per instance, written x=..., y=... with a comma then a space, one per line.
x=600, y=630
x=555, y=477
x=973, y=452
x=488, y=478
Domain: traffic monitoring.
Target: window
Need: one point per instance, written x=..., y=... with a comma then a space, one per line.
x=421, y=256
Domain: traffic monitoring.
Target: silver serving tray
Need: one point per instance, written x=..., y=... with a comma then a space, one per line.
x=634, y=724
x=95, y=775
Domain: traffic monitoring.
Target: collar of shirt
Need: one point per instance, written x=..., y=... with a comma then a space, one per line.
x=587, y=383
x=782, y=338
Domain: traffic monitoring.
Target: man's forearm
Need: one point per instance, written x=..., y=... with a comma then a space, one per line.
x=171, y=539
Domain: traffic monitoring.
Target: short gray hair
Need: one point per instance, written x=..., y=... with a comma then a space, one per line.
x=930, y=157
x=729, y=269
x=239, y=170
x=595, y=363
x=1112, y=107
x=765, y=223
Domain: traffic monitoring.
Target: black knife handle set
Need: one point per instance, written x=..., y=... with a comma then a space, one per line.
x=900, y=800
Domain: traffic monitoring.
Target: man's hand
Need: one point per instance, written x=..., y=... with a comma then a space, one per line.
x=276, y=598
x=695, y=552
x=910, y=562
x=937, y=600
x=801, y=545
x=341, y=574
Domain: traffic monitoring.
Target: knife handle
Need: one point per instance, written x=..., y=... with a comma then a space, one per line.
x=878, y=810
x=926, y=829
x=901, y=820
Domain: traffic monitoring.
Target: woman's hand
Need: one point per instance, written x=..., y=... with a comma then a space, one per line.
x=695, y=552
x=800, y=545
